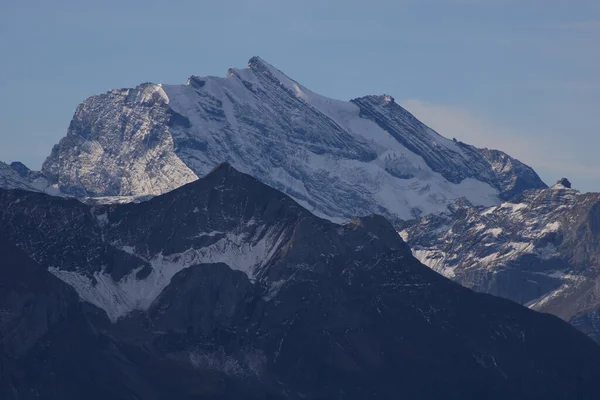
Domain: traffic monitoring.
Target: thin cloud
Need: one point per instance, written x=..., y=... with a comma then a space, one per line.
x=464, y=125
x=480, y=131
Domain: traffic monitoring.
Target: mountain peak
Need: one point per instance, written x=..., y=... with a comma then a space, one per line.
x=258, y=65
x=199, y=278
x=388, y=99
x=223, y=168
x=11, y=178
x=377, y=99
x=20, y=168
x=257, y=62
x=562, y=184
x=270, y=126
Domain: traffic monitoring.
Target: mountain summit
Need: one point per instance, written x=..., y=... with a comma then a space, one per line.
x=226, y=288
x=11, y=179
x=336, y=158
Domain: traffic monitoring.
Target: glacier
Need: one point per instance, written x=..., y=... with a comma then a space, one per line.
x=338, y=159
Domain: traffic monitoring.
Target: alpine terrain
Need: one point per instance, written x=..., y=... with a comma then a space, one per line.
x=226, y=288
x=10, y=178
x=541, y=249
x=336, y=158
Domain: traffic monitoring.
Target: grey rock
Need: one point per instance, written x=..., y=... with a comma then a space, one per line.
x=323, y=311
x=541, y=250
x=11, y=179
x=338, y=159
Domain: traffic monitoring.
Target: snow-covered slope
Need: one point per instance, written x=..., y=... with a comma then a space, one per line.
x=126, y=255
x=30, y=180
x=10, y=178
x=338, y=159
x=542, y=249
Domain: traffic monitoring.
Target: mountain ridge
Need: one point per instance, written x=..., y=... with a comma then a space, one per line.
x=540, y=250
x=338, y=159
x=50, y=348
x=310, y=309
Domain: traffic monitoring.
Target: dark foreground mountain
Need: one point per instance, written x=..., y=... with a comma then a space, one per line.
x=337, y=158
x=227, y=286
x=541, y=250
x=50, y=350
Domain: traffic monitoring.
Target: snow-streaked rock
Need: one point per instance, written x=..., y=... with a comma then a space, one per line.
x=338, y=159
x=335, y=311
x=18, y=176
x=121, y=258
x=541, y=250
x=118, y=298
x=10, y=179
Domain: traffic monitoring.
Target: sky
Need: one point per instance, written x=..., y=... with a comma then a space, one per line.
x=522, y=76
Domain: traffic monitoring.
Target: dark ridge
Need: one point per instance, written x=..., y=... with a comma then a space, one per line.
x=20, y=168
x=564, y=182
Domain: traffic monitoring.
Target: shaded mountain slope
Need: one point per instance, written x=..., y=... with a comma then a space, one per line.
x=231, y=276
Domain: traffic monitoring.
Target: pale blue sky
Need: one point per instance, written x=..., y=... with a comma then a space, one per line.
x=519, y=75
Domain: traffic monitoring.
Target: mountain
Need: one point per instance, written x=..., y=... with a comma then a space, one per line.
x=338, y=159
x=10, y=179
x=18, y=176
x=50, y=350
x=542, y=250
x=229, y=284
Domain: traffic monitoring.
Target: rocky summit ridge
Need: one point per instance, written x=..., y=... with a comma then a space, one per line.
x=339, y=159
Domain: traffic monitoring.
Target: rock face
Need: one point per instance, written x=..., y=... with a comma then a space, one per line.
x=11, y=179
x=564, y=182
x=227, y=288
x=50, y=350
x=18, y=176
x=32, y=301
x=541, y=250
x=338, y=159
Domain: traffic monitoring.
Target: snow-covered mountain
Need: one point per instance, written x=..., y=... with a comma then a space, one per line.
x=124, y=260
x=338, y=159
x=18, y=176
x=10, y=178
x=542, y=250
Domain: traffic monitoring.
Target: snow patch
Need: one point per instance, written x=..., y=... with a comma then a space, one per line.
x=436, y=260
x=495, y=232
x=489, y=211
x=404, y=235
x=551, y=227
x=547, y=252
x=118, y=298
x=479, y=227
x=514, y=207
